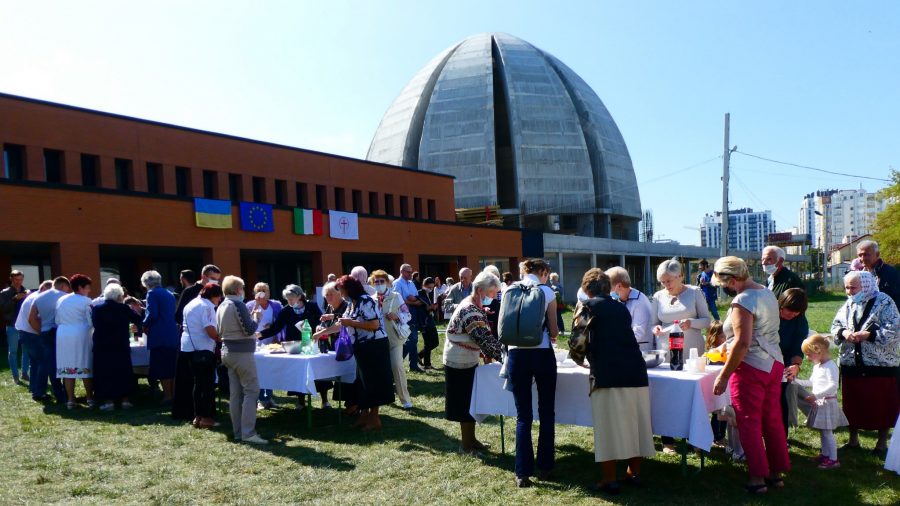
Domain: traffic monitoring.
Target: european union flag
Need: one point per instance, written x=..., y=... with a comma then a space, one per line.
x=257, y=217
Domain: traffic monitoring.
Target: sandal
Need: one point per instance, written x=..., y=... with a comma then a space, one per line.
x=756, y=489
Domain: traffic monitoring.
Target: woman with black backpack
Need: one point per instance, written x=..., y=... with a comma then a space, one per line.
x=533, y=363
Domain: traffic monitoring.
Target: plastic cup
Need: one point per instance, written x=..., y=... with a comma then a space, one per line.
x=693, y=354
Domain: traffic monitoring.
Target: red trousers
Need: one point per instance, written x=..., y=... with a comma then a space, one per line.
x=756, y=398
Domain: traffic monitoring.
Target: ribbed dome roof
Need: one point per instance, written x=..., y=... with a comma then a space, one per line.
x=518, y=128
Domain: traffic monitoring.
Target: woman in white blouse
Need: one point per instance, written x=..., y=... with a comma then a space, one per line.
x=74, y=347
x=685, y=303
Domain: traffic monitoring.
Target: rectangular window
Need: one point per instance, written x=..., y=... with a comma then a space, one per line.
x=123, y=174
x=321, y=197
x=234, y=187
x=432, y=209
x=182, y=181
x=339, y=199
x=13, y=162
x=302, y=200
x=388, y=204
x=373, y=203
x=53, y=161
x=154, y=177
x=357, y=201
x=280, y=192
x=89, y=168
x=404, y=206
x=259, y=189
x=417, y=208
x=210, y=185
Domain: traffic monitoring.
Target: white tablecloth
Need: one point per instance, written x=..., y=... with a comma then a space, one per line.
x=680, y=402
x=892, y=461
x=298, y=373
x=140, y=355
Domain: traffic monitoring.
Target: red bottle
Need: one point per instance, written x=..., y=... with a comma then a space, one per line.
x=676, y=347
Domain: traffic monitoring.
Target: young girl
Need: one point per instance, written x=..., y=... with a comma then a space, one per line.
x=714, y=338
x=825, y=413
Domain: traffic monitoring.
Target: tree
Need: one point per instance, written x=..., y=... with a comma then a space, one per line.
x=887, y=223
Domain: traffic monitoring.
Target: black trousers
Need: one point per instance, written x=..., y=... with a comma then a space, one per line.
x=204, y=394
x=430, y=339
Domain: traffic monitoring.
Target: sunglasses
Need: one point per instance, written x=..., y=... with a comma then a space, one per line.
x=380, y=282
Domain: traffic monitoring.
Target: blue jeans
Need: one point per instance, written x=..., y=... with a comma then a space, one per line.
x=31, y=347
x=12, y=345
x=47, y=369
x=713, y=311
x=540, y=365
x=411, y=348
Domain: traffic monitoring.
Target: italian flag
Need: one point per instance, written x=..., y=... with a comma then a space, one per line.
x=307, y=222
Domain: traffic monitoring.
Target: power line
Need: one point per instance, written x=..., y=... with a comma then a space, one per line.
x=813, y=168
x=653, y=180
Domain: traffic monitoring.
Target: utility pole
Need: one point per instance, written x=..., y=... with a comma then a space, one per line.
x=726, y=161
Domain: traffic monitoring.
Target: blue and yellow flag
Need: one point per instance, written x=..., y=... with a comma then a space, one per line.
x=256, y=217
x=212, y=213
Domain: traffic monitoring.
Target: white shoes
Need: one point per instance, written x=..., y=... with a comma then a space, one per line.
x=255, y=439
x=407, y=405
x=108, y=407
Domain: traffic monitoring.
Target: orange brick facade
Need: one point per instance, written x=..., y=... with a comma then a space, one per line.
x=138, y=206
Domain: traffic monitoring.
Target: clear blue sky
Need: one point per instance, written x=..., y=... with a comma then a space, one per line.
x=814, y=83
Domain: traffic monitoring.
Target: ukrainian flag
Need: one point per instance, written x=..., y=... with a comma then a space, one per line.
x=212, y=213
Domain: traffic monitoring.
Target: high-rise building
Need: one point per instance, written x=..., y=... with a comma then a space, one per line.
x=833, y=217
x=748, y=230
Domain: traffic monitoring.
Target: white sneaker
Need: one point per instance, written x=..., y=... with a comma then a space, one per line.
x=407, y=405
x=255, y=439
x=108, y=407
x=127, y=405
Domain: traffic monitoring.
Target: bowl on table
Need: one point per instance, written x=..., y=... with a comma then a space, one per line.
x=653, y=358
x=292, y=347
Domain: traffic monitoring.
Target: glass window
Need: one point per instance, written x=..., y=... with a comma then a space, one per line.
x=53, y=161
x=154, y=176
x=182, y=181
x=123, y=174
x=89, y=166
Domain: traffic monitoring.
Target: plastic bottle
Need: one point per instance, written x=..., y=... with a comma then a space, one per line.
x=676, y=347
x=305, y=336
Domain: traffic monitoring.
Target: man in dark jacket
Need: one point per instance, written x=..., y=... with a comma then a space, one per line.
x=10, y=302
x=887, y=275
x=780, y=277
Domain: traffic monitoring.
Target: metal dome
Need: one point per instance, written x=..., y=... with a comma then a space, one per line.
x=519, y=129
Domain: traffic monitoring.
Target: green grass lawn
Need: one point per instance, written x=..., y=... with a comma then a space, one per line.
x=140, y=456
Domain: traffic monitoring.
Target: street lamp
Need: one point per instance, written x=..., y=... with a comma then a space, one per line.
x=824, y=247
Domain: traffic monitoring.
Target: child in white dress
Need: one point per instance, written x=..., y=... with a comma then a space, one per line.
x=825, y=414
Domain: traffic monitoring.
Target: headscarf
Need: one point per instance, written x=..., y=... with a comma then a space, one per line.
x=868, y=286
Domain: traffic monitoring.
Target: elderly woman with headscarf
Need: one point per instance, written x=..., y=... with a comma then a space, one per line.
x=163, y=339
x=113, y=376
x=865, y=327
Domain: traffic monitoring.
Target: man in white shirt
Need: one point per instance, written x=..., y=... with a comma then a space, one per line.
x=30, y=339
x=405, y=286
x=637, y=303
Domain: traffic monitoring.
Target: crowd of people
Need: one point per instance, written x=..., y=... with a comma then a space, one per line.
x=205, y=338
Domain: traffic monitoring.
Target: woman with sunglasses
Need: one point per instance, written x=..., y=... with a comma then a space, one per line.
x=681, y=302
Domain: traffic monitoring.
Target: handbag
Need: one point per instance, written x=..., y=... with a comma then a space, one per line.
x=343, y=346
x=204, y=358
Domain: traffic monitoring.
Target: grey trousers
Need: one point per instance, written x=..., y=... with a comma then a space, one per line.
x=244, y=391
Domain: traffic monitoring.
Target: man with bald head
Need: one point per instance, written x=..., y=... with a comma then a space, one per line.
x=780, y=277
x=459, y=291
x=886, y=274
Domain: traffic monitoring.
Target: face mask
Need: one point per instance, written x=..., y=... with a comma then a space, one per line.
x=770, y=269
x=729, y=291
x=614, y=295
x=857, y=297
x=214, y=281
x=428, y=290
x=382, y=289
x=486, y=301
